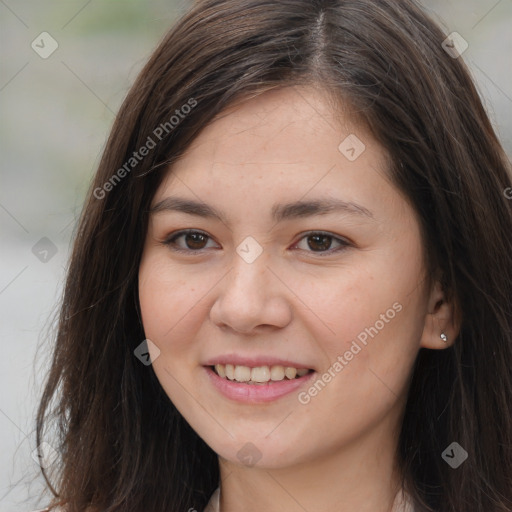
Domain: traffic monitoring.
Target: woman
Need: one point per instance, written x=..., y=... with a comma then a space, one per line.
x=291, y=283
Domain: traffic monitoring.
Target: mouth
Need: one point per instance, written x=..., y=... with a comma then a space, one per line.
x=258, y=375
x=258, y=384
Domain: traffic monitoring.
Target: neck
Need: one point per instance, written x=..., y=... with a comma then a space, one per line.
x=362, y=477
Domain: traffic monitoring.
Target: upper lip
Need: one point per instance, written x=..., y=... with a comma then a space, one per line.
x=254, y=361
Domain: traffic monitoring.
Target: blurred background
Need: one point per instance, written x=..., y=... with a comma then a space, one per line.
x=65, y=67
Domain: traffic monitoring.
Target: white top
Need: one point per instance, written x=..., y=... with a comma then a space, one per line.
x=401, y=504
x=214, y=504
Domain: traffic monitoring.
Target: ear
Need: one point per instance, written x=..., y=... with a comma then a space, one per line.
x=441, y=318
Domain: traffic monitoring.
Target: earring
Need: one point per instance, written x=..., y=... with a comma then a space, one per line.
x=443, y=337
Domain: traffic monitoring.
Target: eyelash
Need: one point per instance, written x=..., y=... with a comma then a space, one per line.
x=171, y=242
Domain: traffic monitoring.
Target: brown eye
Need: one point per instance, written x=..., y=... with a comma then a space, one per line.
x=319, y=242
x=195, y=240
x=322, y=243
x=191, y=241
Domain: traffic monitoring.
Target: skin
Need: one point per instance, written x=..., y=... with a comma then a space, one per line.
x=337, y=451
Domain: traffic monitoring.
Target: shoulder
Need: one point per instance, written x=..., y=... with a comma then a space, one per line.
x=403, y=502
x=51, y=509
x=214, y=503
x=59, y=508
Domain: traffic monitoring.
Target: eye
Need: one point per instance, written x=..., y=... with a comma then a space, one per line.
x=321, y=242
x=196, y=241
x=193, y=241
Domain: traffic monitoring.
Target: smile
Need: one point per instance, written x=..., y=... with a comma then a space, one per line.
x=259, y=374
x=259, y=384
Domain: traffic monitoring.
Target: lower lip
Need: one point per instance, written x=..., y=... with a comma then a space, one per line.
x=256, y=393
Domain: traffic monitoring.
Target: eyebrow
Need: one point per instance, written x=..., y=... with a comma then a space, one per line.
x=280, y=212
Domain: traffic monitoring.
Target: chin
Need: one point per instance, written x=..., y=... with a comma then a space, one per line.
x=259, y=453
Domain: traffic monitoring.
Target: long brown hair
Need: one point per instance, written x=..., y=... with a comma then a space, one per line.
x=123, y=446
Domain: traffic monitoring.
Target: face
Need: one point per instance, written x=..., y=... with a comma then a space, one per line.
x=301, y=254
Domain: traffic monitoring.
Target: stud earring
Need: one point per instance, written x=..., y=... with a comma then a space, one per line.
x=443, y=337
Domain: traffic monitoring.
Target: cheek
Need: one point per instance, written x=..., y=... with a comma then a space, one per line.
x=172, y=313
x=169, y=302
x=355, y=304
x=367, y=322
x=377, y=325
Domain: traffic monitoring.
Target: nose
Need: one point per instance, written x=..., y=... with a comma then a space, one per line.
x=251, y=299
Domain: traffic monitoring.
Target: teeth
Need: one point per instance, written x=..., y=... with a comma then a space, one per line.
x=221, y=370
x=277, y=373
x=290, y=372
x=242, y=373
x=259, y=374
x=230, y=371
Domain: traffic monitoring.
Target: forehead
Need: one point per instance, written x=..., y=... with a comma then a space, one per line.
x=285, y=141
x=284, y=123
